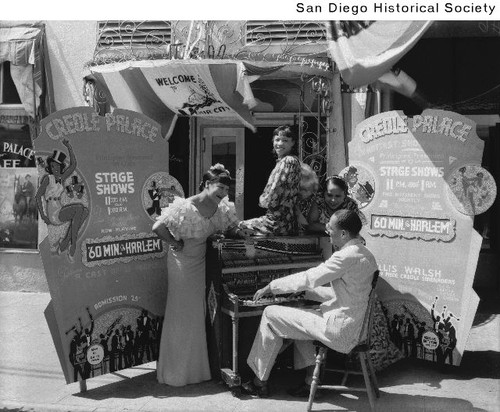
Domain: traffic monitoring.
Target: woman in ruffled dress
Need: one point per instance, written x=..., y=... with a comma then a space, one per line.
x=280, y=196
x=185, y=225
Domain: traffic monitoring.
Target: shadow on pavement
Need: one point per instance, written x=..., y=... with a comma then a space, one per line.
x=482, y=364
x=391, y=402
x=146, y=385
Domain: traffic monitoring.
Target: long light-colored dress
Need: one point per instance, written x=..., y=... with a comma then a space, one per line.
x=183, y=357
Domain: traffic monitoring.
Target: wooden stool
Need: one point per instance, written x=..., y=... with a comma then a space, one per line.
x=362, y=350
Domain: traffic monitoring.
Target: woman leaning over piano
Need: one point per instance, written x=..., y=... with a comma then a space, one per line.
x=185, y=225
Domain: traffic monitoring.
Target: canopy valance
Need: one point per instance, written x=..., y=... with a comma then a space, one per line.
x=166, y=89
x=24, y=47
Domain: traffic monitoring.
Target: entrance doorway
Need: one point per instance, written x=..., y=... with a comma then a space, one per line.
x=226, y=145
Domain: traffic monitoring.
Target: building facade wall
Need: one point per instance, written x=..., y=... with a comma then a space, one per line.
x=71, y=45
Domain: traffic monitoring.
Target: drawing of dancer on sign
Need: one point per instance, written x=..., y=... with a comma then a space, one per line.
x=360, y=183
x=49, y=196
x=159, y=190
x=473, y=189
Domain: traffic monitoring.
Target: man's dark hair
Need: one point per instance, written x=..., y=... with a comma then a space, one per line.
x=349, y=221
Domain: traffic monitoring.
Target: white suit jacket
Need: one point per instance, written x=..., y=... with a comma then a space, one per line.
x=349, y=273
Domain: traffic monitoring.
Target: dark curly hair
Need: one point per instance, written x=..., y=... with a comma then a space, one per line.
x=216, y=174
x=337, y=181
x=287, y=132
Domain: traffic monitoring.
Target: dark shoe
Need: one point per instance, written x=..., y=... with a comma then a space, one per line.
x=301, y=391
x=250, y=388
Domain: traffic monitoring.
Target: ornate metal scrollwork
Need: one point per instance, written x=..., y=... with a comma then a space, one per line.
x=313, y=127
x=95, y=97
x=276, y=41
x=127, y=40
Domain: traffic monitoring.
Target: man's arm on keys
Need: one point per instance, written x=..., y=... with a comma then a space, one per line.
x=320, y=275
x=266, y=290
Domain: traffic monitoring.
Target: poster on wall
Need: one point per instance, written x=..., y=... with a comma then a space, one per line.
x=420, y=182
x=102, y=183
x=18, y=182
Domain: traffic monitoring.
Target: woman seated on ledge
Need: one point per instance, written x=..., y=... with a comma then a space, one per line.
x=281, y=192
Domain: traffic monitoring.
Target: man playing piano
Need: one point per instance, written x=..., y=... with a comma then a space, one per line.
x=342, y=285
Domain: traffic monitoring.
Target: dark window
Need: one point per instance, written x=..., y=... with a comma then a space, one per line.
x=8, y=89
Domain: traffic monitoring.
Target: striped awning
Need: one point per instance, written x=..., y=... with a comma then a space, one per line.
x=24, y=47
x=365, y=50
x=166, y=89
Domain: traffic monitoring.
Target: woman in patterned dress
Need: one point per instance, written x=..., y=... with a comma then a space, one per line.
x=334, y=198
x=280, y=195
x=185, y=225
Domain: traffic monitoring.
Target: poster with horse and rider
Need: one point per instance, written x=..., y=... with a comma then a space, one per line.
x=18, y=185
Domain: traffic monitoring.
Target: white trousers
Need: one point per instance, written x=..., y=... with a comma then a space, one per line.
x=282, y=322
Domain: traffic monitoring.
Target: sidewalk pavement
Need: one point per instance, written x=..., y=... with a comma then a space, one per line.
x=31, y=378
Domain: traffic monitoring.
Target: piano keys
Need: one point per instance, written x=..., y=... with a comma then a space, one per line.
x=235, y=271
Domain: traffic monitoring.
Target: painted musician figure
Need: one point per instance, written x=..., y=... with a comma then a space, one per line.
x=342, y=284
x=155, y=195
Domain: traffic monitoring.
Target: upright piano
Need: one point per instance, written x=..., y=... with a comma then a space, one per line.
x=236, y=269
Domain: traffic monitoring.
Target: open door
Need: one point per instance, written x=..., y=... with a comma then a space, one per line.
x=226, y=145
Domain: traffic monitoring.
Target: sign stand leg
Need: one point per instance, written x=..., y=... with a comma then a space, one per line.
x=83, y=386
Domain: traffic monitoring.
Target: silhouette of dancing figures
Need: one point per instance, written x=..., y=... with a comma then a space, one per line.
x=48, y=199
x=116, y=356
x=395, y=332
x=82, y=339
x=144, y=337
x=410, y=348
x=446, y=332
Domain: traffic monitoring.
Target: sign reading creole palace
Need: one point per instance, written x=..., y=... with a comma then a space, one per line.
x=103, y=182
x=420, y=175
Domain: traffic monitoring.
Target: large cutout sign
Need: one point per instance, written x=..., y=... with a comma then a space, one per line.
x=102, y=182
x=419, y=181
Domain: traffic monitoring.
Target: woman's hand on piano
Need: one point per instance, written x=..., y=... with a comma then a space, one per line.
x=263, y=292
x=244, y=233
x=247, y=232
